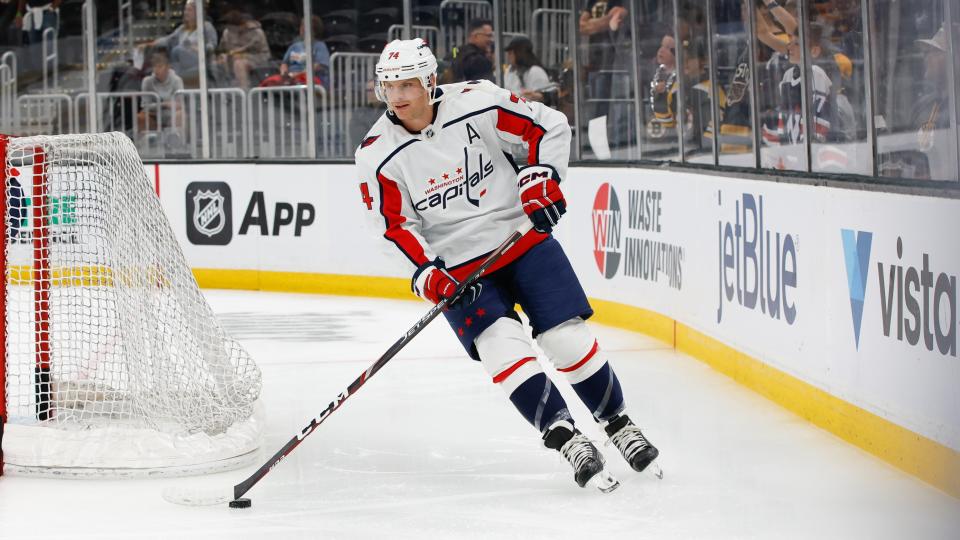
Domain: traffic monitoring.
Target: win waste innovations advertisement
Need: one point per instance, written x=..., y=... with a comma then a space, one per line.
x=820, y=283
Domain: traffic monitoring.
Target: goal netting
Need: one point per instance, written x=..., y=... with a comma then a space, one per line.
x=113, y=363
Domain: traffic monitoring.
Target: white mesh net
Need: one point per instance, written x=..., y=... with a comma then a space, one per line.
x=114, y=361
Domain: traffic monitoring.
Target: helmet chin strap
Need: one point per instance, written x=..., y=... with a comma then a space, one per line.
x=432, y=91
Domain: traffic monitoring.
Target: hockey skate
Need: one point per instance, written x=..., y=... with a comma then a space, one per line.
x=583, y=456
x=636, y=449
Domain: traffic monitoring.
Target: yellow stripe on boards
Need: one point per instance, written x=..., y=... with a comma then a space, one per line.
x=301, y=282
x=924, y=458
x=915, y=454
x=633, y=318
x=91, y=276
x=227, y=279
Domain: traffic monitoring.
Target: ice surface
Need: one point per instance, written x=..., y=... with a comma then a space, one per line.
x=429, y=448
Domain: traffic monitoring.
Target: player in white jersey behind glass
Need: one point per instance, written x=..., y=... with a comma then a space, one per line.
x=438, y=184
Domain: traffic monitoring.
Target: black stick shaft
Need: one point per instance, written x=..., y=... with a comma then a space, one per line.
x=240, y=489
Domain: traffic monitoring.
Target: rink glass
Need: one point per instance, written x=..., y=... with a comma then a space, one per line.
x=891, y=64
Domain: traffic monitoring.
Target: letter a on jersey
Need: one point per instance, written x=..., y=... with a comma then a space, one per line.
x=471, y=133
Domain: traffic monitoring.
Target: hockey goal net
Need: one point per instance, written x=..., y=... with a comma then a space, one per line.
x=113, y=363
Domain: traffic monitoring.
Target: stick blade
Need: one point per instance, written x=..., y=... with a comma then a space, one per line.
x=187, y=496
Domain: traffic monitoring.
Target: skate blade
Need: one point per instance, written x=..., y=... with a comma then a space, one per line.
x=654, y=469
x=604, y=481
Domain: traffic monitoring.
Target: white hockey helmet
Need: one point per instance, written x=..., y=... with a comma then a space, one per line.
x=406, y=59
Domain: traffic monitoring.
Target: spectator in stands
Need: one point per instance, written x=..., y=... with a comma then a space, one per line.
x=524, y=74
x=736, y=130
x=698, y=129
x=165, y=82
x=35, y=16
x=183, y=43
x=294, y=66
x=843, y=24
x=931, y=112
x=698, y=114
x=778, y=28
x=773, y=34
x=599, y=20
x=606, y=27
x=663, y=90
x=839, y=68
x=791, y=127
x=474, y=60
x=243, y=46
x=10, y=35
x=776, y=25
x=836, y=25
x=843, y=43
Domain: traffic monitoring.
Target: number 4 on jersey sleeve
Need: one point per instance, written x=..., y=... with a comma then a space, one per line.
x=365, y=194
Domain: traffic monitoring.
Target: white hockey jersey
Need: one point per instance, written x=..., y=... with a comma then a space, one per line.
x=450, y=190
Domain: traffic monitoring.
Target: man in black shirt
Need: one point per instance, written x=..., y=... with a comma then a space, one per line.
x=474, y=60
x=596, y=25
x=605, y=25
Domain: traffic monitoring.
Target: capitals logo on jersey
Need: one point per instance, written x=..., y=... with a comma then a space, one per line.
x=465, y=183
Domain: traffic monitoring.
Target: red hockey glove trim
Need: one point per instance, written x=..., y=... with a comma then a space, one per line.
x=541, y=197
x=432, y=282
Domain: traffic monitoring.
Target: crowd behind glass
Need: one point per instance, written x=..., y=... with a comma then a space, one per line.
x=861, y=87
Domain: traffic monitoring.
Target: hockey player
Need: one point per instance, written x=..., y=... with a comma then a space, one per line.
x=434, y=178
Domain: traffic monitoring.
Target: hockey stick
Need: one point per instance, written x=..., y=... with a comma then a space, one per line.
x=195, y=497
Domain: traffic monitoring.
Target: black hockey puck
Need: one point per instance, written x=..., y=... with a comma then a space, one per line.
x=241, y=503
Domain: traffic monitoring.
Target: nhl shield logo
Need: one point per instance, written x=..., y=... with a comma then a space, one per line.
x=209, y=217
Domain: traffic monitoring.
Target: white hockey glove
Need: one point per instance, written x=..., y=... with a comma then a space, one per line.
x=541, y=197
